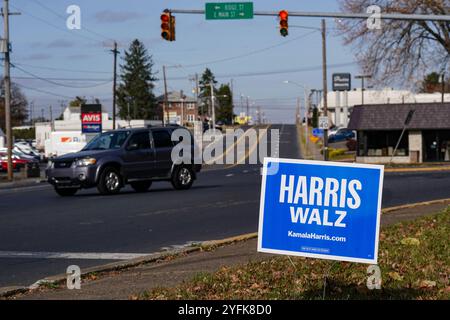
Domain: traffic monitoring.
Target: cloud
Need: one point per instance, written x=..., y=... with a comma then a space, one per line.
x=60, y=43
x=79, y=56
x=38, y=56
x=108, y=16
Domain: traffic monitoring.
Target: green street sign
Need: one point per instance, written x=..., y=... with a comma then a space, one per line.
x=229, y=10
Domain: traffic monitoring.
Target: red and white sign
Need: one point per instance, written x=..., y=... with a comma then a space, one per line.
x=91, y=118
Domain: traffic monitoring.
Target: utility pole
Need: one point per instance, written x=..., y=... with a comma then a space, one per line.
x=182, y=107
x=363, y=77
x=165, y=96
x=31, y=112
x=213, y=111
x=248, y=111
x=232, y=101
x=115, y=52
x=7, y=84
x=196, y=94
x=52, y=126
x=325, y=88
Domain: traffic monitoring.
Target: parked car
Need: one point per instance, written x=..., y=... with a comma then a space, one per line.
x=126, y=156
x=342, y=134
x=17, y=162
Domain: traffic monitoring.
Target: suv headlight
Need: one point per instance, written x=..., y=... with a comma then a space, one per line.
x=85, y=162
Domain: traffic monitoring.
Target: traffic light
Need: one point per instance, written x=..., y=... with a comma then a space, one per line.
x=167, y=26
x=283, y=16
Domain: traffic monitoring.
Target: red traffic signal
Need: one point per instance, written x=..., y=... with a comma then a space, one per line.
x=283, y=16
x=167, y=26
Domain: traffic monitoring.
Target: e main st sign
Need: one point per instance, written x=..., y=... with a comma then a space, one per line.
x=319, y=209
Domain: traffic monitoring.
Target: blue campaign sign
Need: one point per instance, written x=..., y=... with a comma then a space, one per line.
x=317, y=132
x=320, y=209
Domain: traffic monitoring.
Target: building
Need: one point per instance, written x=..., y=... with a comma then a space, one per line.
x=181, y=109
x=71, y=122
x=379, y=127
x=347, y=100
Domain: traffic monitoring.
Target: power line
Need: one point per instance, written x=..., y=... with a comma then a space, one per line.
x=249, y=53
x=44, y=91
x=272, y=72
x=57, y=83
x=62, y=69
x=64, y=19
x=54, y=26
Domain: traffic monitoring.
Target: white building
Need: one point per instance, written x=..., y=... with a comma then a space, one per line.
x=347, y=100
x=72, y=123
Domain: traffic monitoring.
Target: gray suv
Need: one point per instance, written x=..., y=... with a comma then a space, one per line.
x=126, y=156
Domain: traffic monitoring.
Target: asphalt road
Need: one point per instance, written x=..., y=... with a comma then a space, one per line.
x=57, y=232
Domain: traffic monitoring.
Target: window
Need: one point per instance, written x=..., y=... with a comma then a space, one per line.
x=141, y=139
x=382, y=143
x=107, y=140
x=190, y=118
x=162, y=139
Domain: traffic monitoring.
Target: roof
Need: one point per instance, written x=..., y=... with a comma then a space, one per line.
x=175, y=96
x=392, y=116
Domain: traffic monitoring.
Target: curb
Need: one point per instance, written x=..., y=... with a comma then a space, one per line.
x=413, y=205
x=16, y=185
x=6, y=292
x=123, y=265
x=418, y=169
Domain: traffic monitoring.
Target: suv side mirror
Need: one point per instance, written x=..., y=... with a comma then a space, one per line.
x=132, y=147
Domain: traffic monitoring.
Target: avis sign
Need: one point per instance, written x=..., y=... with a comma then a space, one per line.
x=320, y=209
x=91, y=118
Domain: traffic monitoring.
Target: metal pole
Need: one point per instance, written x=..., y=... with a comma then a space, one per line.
x=325, y=88
x=196, y=93
x=248, y=111
x=383, y=16
x=7, y=83
x=165, y=97
x=115, y=52
x=213, y=107
x=443, y=87
x=398, y=143
x=182, y=107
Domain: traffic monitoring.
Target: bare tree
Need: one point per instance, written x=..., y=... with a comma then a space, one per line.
x=401, y=51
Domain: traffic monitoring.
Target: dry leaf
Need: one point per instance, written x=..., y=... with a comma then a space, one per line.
x=395, y=276
x=410, y=241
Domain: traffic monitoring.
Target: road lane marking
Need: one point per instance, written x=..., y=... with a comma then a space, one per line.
x=71, y=255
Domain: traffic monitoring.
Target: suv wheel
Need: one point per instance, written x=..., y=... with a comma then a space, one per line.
x=110, y=181
x=182, y=178
x=66, y=192
x=141, y=186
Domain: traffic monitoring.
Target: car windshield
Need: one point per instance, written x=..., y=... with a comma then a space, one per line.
x=107, y=140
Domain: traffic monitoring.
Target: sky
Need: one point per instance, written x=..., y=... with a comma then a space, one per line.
x=249, y=53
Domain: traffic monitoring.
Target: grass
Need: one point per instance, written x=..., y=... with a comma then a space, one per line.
x=414, y=258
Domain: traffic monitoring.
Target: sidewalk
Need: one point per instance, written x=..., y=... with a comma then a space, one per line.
x=172, y=271
x=309, y=149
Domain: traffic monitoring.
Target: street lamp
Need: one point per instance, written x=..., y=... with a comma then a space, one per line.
x=307, y=105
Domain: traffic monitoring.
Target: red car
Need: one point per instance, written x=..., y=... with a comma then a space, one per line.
x=17, y=162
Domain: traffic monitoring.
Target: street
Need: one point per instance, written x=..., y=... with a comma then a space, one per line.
x=90, y=229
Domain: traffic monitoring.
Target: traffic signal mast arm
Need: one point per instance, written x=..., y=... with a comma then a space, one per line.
x=383, y=16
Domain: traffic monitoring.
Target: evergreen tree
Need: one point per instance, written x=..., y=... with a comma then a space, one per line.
x=205, y=90
x=225, y=108
x=135, y=93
